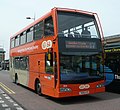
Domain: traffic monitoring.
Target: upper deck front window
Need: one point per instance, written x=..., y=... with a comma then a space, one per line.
x=77, y=25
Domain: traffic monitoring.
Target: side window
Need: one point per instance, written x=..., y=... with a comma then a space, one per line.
x=29, y=34
x=49, y=63
x=24, y=63
x=21, y=63
x=49, y=27
x=12, y=43
x=16, y=63
x=23, y=38
x=17, y=41
x=38, y=30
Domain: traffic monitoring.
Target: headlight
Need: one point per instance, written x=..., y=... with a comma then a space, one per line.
x=65, y=90
x=99, y=85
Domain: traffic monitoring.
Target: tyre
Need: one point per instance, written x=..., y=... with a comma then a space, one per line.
x=16, y=79
x=38, y=87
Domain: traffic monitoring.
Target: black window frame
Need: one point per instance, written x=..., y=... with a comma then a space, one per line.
x=21, y=63
x=29, y=34
x=17, y=41
x=16, y=63
x=22, y=35
x=38, y=30
x=49, y=26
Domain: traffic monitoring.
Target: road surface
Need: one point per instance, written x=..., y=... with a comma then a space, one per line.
x=28, y=100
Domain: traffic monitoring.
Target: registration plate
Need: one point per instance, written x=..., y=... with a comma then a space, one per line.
x=83, y=92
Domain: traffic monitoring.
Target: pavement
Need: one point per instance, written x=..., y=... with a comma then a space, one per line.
x=7, y=103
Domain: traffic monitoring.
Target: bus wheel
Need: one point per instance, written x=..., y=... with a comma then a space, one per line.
x=38, y=87
x=16, y=79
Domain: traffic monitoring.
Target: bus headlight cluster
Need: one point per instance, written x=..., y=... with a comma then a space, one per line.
x=99, y=85
x=65, y=90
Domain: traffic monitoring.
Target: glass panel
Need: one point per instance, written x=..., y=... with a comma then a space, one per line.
x=49, y=27
x=17, y=41
x=23, y=38
x=30, y=34
x=23, y=63
x=38, y=30
x=81, y=69
x=77, y=25
x=16, y=63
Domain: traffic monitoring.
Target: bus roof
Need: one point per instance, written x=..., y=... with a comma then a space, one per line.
x=46, y=15
x=72, y=10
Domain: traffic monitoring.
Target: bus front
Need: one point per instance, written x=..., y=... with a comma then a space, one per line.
x=81, y=70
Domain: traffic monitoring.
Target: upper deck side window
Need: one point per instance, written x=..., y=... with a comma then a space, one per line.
x=38, y=30
x=17, y=41
x=29, y=34
x=23, y=38
x=49, y=27
x=77, y=25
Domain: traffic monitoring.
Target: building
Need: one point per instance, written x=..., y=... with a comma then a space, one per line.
x=112, y=43
x=112, y=59
x=2, y=55
x=112, y=50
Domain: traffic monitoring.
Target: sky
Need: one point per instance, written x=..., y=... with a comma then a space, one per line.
x=13, y=15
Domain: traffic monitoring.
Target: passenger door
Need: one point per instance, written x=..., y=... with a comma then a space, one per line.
x=48, y=79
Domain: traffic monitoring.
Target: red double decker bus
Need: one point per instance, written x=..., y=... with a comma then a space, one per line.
x=60, y=54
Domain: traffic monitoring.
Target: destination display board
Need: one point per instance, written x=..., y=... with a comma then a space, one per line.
x=79, y=45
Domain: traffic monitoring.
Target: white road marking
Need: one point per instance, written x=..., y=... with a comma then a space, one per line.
x=1, y=91
x=13, y=104
x=2, y=101
x=8, y=109
x=4, y=105
x=7, y=97
x=19, y=108
x=10, y=100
